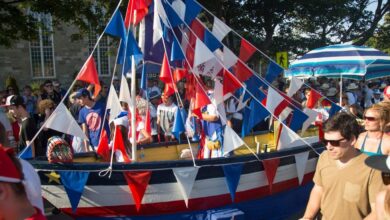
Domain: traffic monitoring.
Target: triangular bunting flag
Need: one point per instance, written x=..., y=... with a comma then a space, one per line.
x=242, y=72
x=157, y=28
x=314, y=96
x=301, y=161
x=298, y=118
x=192, y=10
x=230, y=83
x=295, y=85
x=165, y=73
x=103, y=149
x=113, y=103
x=116, y=27
x=26, y=153
x=286, y=137
x=89, y=74
x=273, y=71
x=257, y=114
x=180, y=8
x=229, y=58
x=74, y=183
x=179, y=74
x=211, y=42
x=137, y=181
x=176, y=52
x=178, y=124
x=124, y=92
x=334, y=109
x=312, y=117
x=185, y=177
x=274, y=99
x=246, y=50
x=232, y=173
x=231, y=141
x=61, y=120
x=201, y=99
x=270, y=168
x=202, y=53
x=173, y=17
x=120, y=145
x=220, y=29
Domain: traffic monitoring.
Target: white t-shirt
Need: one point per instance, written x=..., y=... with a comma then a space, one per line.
x=32, y=184
x=166, y=114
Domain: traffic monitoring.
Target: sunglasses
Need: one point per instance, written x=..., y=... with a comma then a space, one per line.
x=332, y=142
x=386, y=178
x=368, y=118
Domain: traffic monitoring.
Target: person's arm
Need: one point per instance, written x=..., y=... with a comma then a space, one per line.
x=208, y=117
x=146, y=139
x=313, y=206
x=86, y=142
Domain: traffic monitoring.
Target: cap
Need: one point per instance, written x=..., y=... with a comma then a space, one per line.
x=377, y=92
x=154, y=94
x=8, y=171
x=379, y=162
x=331, y=92
x=352, y=86
x=13, y=100
x=82, y=92
x=386, y=92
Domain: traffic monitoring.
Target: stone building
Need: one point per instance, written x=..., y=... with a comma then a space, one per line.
x=54, y=56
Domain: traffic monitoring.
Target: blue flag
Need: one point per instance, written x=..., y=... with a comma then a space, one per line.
x=334, y=109
x=116, y=27
x=253, y=84
x=173, y=17
x=192, y=10
x=258, y=114
x=176, y=52
x=178, y=124
x=298, y=118
x=26, y=153
x=245, y=122
x=74, y=183
x=211, y=41
x=132, y=49
x=232, y=174
x=273, y=71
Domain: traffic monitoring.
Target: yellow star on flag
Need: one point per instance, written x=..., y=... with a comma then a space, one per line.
x=53, y=176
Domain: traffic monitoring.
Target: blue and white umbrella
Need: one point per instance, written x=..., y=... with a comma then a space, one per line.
x=345, y=61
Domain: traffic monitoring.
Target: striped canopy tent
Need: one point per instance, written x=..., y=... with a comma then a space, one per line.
x=344, y=61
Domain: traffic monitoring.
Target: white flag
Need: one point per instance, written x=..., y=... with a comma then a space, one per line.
x=180, y=8
x=231, y=140
x=229, y=58
x=273, y=100
x=312, y=117
x=157, y=29
x=202, y=53
x=61, y=120
x=286, y=138
x=220, y=29
x=295, y=85
x=113, y=103
x=300, y=162
x=124, y=93
x=185, y=177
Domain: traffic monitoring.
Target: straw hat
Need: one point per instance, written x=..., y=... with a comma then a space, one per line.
x=352, y=86
x=331, y=92
x=325, y=86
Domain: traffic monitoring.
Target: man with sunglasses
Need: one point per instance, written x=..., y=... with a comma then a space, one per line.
x=382, y=163
x=344, y=187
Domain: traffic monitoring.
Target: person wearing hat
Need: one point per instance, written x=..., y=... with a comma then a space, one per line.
x=344, y=188
x=90, y=117
x=48, y=92
x=376, y=96
x=352, y=96
x=14, y=202
x=28, y=129
x=382, y=163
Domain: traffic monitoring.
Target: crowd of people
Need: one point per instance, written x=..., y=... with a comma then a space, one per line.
x=357, y=133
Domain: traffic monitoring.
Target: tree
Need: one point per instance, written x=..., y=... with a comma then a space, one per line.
x=380, y=40
x=18, y=24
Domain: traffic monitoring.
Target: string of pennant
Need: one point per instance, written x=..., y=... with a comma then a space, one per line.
x=138, y=180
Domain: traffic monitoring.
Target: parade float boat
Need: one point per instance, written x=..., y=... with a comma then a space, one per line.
x=264, y=175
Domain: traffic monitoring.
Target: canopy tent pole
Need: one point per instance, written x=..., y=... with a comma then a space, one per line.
x=341, y=88
x=133, y=106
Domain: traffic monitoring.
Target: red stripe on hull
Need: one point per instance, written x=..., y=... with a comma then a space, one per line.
x=196, y=204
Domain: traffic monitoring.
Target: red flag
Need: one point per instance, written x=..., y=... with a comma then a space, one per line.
x=198, y=29
x=179, y=73
x=313, y=98
x=201, y=98
x=169, y=89
x=230, y=83
x=136, y=11
x=89, y=74
x=242, y=71
x=165, y=73
x=138, y=181
x=270, y=168
x=148, y=128
x=103, y=149
x=246, y=50
x=118, y=143
x=190, y=54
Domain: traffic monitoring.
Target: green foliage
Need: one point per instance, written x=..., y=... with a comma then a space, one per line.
x=381, y=39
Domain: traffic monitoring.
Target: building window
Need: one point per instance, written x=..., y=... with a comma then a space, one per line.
x=42, y=49
x=101, y=53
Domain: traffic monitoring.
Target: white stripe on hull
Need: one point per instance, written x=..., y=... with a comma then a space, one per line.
x=114, y=195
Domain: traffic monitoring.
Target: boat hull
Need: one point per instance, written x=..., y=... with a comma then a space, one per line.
x=255, y=197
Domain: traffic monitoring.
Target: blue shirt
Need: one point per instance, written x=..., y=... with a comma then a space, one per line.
x=93, y=117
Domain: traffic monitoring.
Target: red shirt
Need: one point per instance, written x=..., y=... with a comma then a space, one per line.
x=37, y=216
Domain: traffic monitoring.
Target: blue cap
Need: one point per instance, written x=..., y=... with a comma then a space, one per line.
x=82, y=92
